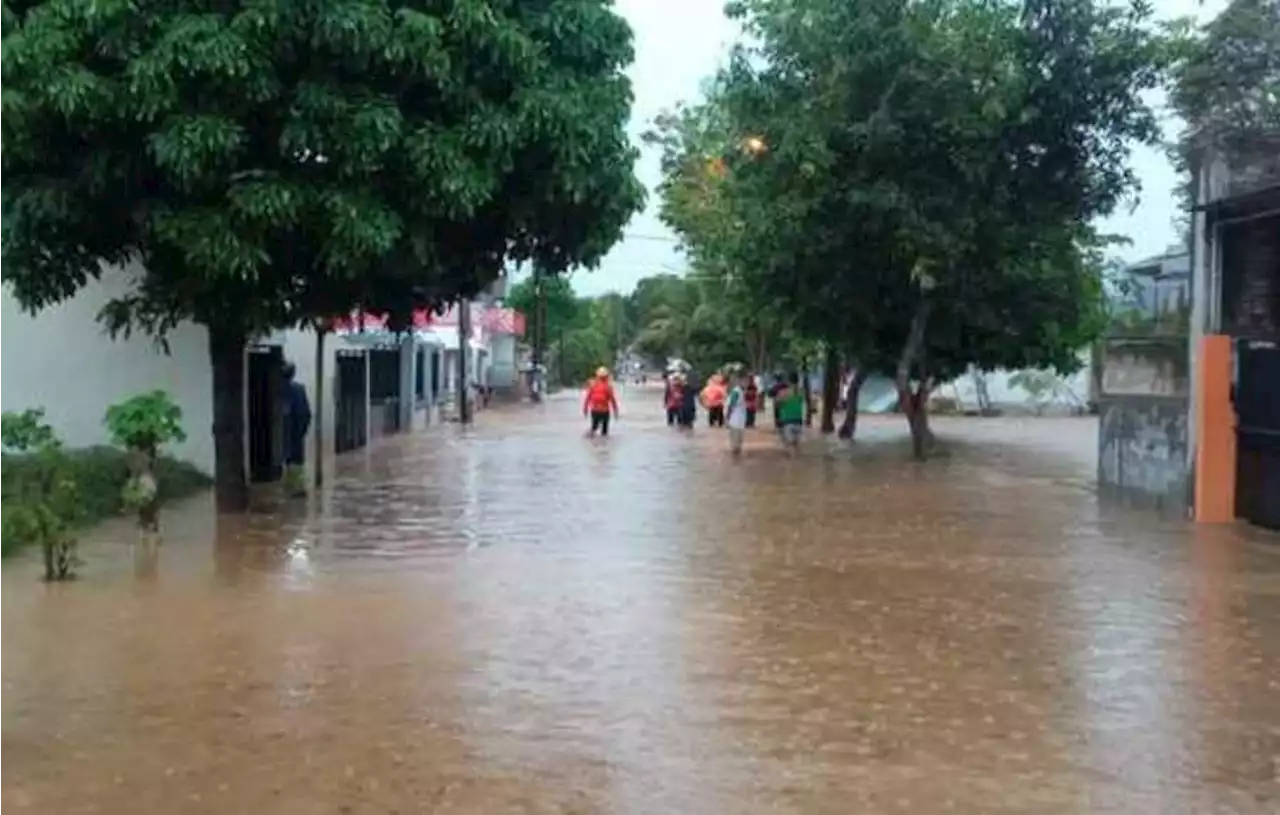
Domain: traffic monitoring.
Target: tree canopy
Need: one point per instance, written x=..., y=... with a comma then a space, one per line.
x=913, y=182
x=268, y=164
x=1227, y=88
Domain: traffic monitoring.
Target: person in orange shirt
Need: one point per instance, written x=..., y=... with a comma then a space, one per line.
x=599, y=402
x=673, y=398
x=713, y=396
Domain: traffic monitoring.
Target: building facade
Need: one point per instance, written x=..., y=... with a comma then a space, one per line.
x=363, y=381
x=1160, y=286
x=1235, y=336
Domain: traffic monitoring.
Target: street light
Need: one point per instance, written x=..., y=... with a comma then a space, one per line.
x=754, y=145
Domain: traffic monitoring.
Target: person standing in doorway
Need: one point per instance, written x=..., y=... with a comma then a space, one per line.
x=599, y=402
x=297, y=422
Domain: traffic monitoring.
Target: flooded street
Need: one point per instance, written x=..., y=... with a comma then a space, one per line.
x=512, y=618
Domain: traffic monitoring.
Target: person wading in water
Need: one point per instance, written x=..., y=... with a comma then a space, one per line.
x=599, y=402
x=713, y=396
x=673, y=398
x=689, y=401
x=751, y=395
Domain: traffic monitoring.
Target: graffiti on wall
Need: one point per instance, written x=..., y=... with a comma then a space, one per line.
x=1143, y=449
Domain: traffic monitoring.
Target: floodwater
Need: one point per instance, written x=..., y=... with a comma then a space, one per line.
x=512, y=618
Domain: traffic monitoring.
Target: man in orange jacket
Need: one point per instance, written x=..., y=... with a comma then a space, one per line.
x=599, y=401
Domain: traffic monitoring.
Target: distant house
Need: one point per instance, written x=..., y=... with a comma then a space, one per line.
x=1160, y=285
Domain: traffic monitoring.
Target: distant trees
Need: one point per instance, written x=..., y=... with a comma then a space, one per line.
x=910, y=183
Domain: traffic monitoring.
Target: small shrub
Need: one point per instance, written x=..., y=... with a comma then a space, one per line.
x=46, y=505
x=145, y=422
x=98, y=473
x=141, y=425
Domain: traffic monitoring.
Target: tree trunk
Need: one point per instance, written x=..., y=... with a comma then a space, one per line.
x=830, y=390
x=980, y=390
x=142, y=473
x=911, y=402
x=226, y=357
x=918, y=421
x=464, y=343
x=850, y=424
x=317, y=410
x=808, y=392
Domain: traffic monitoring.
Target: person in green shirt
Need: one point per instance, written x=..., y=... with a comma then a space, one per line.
x=791, y=412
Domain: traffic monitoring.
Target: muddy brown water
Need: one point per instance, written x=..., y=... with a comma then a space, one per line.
x=514, y=619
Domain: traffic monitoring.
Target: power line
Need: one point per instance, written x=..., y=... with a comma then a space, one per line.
x=636, y=236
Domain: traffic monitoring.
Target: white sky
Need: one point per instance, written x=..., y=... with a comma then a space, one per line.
x=681, y=42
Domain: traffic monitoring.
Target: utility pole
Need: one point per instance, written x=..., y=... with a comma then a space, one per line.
x=536, y=317
x=540, y=350
x=617, y=322
x=320, y=398
x=464, y=344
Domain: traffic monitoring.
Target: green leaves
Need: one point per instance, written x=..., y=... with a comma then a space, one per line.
x=27, y=432
x=197, y=151
x=1228, y=82
x=967, y=139
x=145, y=422
x=343, y=153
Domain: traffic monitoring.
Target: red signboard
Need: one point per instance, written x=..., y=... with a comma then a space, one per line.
x=494, y=320
x=504, y=321
x=368, y=321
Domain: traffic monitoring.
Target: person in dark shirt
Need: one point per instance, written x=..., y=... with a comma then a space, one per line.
x=297, y=422
x=689, y=400
x=775, y=390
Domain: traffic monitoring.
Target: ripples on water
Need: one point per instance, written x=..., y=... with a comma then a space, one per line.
x=513, y=618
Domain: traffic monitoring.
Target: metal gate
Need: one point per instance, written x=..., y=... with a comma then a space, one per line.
x=350, y=416
x=384, y=388
x=1257, y=402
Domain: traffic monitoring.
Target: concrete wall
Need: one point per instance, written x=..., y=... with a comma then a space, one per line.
x=1143, y=412
x=62, y=361
x=503, y=372
x=1068, y=394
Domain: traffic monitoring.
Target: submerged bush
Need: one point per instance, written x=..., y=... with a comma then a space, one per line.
x=43, y=507
x=98, y=473
x=141, y=425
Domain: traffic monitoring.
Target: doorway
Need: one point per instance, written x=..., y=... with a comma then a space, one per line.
x=1257, y=397
x=266, y=413
x=350, y=427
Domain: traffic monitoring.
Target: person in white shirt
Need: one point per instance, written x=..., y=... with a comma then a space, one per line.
x=736, y=411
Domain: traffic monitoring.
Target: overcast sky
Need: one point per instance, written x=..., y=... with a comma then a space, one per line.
x=681, y=42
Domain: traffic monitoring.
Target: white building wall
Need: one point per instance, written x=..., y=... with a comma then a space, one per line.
x=502, y=371
x=1072, y=391
x=62, y=361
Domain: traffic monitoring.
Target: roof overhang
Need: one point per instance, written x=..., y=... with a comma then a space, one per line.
x=1258, y=203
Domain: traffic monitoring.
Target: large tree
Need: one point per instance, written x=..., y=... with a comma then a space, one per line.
x=928, y=171
x=268, y=164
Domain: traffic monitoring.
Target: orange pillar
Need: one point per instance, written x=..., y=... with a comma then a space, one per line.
x=1215, y=433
